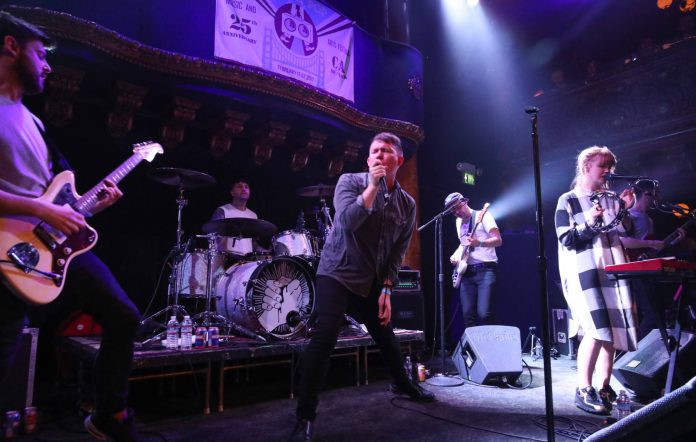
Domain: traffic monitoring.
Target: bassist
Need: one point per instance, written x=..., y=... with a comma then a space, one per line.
x=478, y=239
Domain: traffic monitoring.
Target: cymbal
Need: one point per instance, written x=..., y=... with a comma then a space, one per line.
x=241, y=227
x=316, y=191
x=183, y=178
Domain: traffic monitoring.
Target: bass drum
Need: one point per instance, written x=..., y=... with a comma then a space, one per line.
x=275, y=296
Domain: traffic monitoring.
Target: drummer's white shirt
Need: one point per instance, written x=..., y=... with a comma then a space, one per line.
x=238, y=246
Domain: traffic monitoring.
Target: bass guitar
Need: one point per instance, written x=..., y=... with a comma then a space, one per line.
x=34, y=256
x=461, y=266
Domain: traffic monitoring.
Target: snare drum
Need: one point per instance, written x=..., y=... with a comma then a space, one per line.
x=192, y=272
x=276, y=296
x=296, y=243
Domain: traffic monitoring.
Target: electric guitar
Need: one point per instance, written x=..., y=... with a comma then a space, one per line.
x=34, y=256
x=461, y=266
x=667, y=242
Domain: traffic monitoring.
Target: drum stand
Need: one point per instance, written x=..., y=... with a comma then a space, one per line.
x=208, y=317
x=173, y=308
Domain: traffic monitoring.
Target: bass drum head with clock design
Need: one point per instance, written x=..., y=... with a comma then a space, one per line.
x=275, y=296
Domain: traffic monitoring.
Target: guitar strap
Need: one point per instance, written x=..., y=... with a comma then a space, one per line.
x=470, y=226
x=58, y=161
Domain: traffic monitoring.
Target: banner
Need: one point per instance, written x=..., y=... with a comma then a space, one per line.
x=300, y=39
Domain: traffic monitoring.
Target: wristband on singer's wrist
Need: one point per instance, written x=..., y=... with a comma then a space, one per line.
x=386, y=290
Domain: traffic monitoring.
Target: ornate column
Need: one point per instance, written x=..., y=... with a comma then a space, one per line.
x=183, y=114
x=225, y=130
x=336, y=157
x=266, y=138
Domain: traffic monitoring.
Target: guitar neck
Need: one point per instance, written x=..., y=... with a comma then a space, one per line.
x=88, y=200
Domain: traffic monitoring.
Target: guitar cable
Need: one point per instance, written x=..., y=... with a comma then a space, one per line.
x=51, y=275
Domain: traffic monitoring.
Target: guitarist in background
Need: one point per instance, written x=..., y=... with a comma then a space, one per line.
x=651, y=299
x=478, y=239
x=27, y=165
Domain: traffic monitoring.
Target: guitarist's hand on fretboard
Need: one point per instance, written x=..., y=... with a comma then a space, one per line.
x=107, y=196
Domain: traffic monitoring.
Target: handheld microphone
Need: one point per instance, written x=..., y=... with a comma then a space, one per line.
x=383, y=185
x=614, y=177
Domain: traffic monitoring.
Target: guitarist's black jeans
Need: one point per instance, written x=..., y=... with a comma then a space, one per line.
x=476, y=292
x=332, y=301
x=91, y=286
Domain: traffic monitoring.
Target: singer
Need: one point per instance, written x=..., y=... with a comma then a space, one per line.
x=478, y=239
x=605, y=310
x=357, y=271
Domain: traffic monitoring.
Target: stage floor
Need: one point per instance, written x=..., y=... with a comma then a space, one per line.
x=257, y=408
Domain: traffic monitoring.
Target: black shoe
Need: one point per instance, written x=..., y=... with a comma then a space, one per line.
x=414, y=391
x=586, y=399
x=608, y=397
x=109, y=429
x=303, y=431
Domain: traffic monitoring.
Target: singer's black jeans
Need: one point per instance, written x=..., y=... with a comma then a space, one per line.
x=93, y=288
x=332, y=302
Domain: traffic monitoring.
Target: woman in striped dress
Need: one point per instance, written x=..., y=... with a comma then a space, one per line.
x=603, y=311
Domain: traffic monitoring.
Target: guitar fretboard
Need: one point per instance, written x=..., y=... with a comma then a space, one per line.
x=87, y=201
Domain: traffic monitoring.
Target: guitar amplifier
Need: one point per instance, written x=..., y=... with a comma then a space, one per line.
x=408, y=280
x=17, y=390
x=407, y=309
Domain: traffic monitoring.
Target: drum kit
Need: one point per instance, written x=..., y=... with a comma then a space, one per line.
x=262, y=295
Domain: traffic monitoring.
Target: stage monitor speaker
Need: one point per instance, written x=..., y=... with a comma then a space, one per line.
x=17, y=389
x=489, y=353
x=407, y=309
x=644, y=371
x=668, y=418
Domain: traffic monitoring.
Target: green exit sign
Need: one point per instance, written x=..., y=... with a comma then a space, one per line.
x=469, y=178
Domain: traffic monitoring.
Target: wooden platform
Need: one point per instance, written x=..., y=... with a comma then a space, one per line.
x=234, y=353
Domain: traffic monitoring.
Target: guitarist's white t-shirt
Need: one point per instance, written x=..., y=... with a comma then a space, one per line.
x=479, y=254
x=24, y=158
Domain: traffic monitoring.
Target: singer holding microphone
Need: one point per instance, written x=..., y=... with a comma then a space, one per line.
x=603, y=309
x=373, y=223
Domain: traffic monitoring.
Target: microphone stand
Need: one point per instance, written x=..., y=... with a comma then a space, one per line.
x=441, y=379
x=542, y=266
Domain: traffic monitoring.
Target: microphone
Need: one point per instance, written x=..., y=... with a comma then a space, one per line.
x=614, y=177
x=669, y=207
x=383, y=185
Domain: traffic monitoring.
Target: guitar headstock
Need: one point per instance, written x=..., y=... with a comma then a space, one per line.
x=483, y=211
x=148, y=150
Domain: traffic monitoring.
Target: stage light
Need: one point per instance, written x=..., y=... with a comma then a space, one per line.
x=472, y=3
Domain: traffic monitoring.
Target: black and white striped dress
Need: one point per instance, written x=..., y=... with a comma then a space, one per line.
x=604, y=309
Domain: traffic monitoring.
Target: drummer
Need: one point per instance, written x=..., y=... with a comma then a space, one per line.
x=240, y=191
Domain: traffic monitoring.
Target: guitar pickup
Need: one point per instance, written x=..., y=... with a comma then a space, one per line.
x=49, y=236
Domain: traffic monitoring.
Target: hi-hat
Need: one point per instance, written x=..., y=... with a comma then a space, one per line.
x=241, y=227
x=317, y=191
x=182, y=178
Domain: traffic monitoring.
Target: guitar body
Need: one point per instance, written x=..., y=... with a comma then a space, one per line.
x=42, y=247
x=35, y=256
x=462, y=265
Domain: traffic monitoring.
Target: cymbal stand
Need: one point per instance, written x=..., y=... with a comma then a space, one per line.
x=327, y=224
x=207, y=318
x=173, y=308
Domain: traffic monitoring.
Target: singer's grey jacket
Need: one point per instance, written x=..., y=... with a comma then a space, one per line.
x=367, y=244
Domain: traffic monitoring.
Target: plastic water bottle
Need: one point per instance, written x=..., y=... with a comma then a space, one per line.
x=623, y=405
x=408, y=367
x=186, y=333
x=172, y=333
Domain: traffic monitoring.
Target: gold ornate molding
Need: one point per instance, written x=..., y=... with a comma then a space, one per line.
x=182, y=115
x=129, y=98
x=89, y=33
x=310, y=143
x=266, y=138
x=62, y=86
x=346, y=151
x=225, y=130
